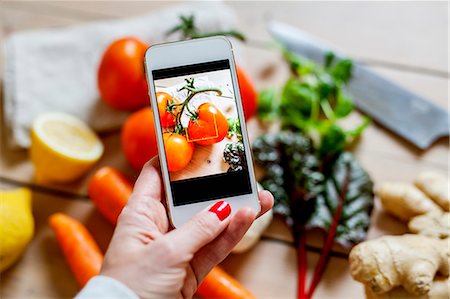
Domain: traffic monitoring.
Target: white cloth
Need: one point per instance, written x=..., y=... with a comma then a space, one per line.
x=56, y=69
x=104, y=287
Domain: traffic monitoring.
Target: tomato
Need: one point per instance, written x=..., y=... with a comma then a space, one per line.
x=121, y=78
x=248, y=93
x=178, y=151
x=139, y=138
x=167, y=113
x=209, y=127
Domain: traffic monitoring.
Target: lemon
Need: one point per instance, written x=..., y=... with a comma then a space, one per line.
x=16, y=225
x=63, y=148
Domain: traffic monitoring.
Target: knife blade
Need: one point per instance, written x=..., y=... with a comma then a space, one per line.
x=409, y=115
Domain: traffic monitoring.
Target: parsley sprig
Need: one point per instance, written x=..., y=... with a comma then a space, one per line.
x=313, y=101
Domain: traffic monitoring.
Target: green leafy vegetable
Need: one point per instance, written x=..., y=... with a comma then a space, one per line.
x=234, y=155
x=268, y=105
x=334, y=195
x=316, y=182
x=357, y=204
x=292, y=171
x=312, y=101
x=295, y=174
x=188, y=30
x=234, y=127
x=342, y=210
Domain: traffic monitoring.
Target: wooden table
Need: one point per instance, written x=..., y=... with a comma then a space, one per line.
x=406, y=42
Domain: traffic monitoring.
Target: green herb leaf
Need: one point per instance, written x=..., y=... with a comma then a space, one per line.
x=188, y=30
x=312, y=101
x=268, y=105
x=329, y=58
x=299, y=65
x=334, y=140
x=299, y=98
x=342, y=70
x=344, y=106
x=234, y=127
x=356, y=132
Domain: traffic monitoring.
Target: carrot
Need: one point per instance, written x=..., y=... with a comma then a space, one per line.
x=78, y=246
x=109, y=190
x=218, y=284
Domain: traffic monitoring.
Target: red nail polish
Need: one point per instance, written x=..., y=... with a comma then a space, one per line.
x=222, y=209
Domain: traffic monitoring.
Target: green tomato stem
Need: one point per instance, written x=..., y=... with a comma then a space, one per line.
x=185, y=104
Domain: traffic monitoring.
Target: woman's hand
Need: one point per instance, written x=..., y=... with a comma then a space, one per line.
x=157, y=263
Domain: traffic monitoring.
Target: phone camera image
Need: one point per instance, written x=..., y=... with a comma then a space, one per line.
x=201, y=130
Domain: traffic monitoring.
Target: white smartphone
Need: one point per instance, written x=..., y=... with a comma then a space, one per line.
x=203, y=146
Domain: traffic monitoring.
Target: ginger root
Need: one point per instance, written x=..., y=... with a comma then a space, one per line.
x=435, y=186
x=411, y=261
x=405, y=201
x=439, y=290
x=435, y=225
x=405, y=266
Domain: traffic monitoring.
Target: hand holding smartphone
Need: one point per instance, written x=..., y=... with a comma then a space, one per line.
x=202, y=139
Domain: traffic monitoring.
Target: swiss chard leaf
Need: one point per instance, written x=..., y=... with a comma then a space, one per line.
x=358, y=201
x=292, y=172
x=234, y=156
x=305, y=191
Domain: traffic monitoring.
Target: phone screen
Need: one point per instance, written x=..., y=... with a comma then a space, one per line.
x=201, y=130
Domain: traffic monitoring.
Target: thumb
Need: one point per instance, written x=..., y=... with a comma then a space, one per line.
x=201, y=229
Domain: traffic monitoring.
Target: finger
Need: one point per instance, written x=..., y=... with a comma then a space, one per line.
x=144, y=209
x=266, y=201
x=213, y=253
x=149, y=182
x=190, y=284
x=201, y=229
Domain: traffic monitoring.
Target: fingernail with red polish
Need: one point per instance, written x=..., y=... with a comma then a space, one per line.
x=222, y=209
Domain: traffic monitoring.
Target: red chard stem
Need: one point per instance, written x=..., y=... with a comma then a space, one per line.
x=329, y=241
x=302, y=264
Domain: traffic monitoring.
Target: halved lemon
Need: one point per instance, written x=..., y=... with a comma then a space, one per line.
x=63, y=148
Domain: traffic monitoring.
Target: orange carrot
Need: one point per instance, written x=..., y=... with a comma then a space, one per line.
x=109, y=190
x=82, y=253
x=218, y=284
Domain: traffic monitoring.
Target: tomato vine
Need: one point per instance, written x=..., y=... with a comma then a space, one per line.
x=192, y=91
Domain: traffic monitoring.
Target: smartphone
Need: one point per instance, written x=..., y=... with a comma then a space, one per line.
x=203, y=146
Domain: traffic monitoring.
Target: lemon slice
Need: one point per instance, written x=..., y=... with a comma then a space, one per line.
x=63, y=148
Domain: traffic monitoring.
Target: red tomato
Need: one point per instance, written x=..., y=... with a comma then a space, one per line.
x=138, y=138
x=209, y=127
x=167, y=113
x=121, y=78
x=178, y=151
x=248, y=93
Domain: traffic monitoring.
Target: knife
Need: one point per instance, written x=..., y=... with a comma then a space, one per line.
x=409, y=115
